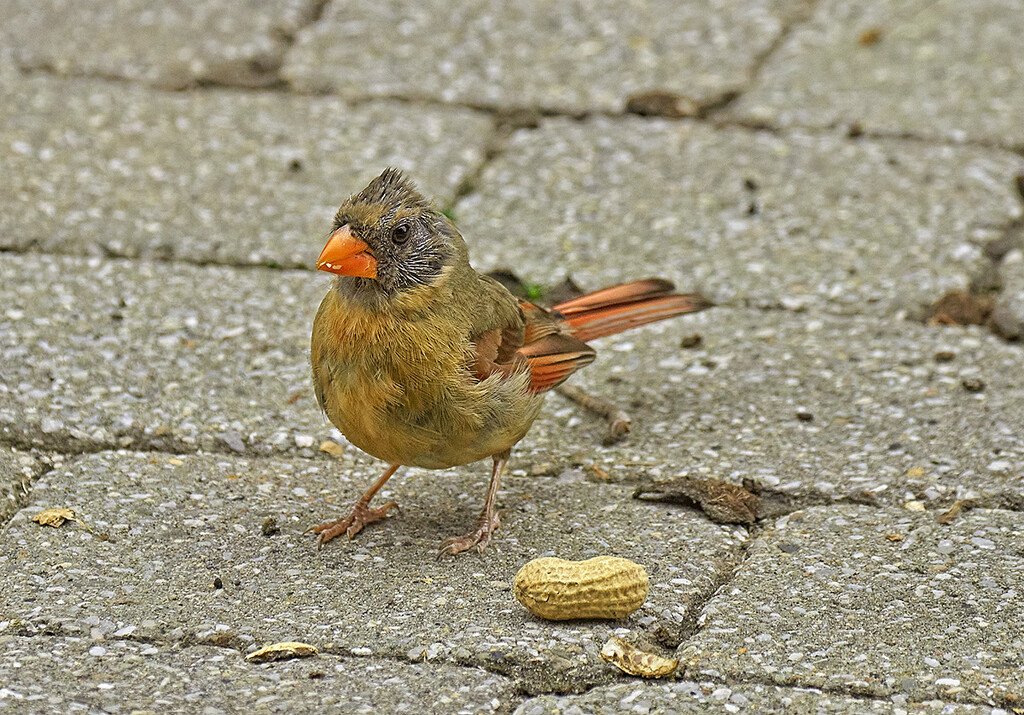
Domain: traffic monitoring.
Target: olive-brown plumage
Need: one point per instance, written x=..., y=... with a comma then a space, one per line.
x=421, y=361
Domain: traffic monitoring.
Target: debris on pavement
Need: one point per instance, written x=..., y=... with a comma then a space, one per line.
x=54, y=517
x=632, y=660
x=722, y=502
x=950, y=515
x=282, y=651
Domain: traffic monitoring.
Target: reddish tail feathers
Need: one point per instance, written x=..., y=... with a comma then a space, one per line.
x=628, y=305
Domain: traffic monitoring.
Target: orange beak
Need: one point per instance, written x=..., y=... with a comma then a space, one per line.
x=346, y=255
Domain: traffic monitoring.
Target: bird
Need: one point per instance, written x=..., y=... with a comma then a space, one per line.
x=421, y=361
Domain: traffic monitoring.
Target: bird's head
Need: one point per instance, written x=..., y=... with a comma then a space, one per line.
x=388, y=241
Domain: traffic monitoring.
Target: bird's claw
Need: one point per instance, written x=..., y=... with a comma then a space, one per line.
x=485, y=527
x=352, y=524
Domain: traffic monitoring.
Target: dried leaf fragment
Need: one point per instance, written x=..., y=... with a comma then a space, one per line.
x=332, y=448
x=959, y=307
x=632, y=660
x=661, y=103
x=282, y=651
x=722, y=502
x=54, y=517
x=949, y=516
x=870, y=36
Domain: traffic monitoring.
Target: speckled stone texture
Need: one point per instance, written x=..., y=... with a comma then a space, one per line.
x=112, y=673
x=575, y=56
x=828, y=597
x=168, y=43
x=218, y=176
x=793, y=220
x=162, y=529
x=642, y=698
x=940, y=70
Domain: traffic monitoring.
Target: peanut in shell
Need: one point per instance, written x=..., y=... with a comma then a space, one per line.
x=601, y=587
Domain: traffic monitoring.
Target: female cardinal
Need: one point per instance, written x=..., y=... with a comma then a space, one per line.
x=419, y=360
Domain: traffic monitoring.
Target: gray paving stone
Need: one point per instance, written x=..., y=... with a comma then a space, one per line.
x=557, y=56
x=818, y=407
x=17, y=470
x=932, y=70
x=100, y=353
x=110, y=675
x=690, y=697
x=162, y=529
x=179, y=357
x=795, y=220
x=873, y=601
x=173, y=44
x=108, y=169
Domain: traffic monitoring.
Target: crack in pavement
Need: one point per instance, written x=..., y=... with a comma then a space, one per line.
x=800, y=17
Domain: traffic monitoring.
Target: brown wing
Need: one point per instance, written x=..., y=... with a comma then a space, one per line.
x=496, y=353
x=551, y=352
x=498, y=331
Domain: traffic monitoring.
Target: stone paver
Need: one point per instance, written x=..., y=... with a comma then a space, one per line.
x=163, y=529
x=173, y=44
x=818, y=406
x=714, y=697
x=571, y=57
x=115, y=353
x=216, y=176
x=798, y=220
x=877, y=601
x=927, y=69
x=17, y=470
x=118, y=353
x=114, y=675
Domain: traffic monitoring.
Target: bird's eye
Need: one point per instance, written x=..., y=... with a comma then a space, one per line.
x=401, y=233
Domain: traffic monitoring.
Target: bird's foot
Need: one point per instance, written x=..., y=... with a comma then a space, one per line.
x=485, y=526
x=352, y=524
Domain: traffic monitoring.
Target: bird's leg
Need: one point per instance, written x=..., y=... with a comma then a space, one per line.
x=618, y=420
x=488, y=520
x=360, y=516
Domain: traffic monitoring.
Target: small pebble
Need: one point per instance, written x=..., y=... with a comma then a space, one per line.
x=691, y=341
x=945, y=356
x=973, y=384
x=217, y=583
x=804, y=416
x=270, y=527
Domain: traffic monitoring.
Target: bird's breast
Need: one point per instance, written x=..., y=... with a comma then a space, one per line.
x=400, y=388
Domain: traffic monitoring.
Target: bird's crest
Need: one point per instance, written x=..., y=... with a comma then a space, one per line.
x=391, y=188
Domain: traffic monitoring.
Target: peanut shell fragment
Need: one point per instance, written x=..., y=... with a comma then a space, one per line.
x=629, y=659
x=282, y=651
